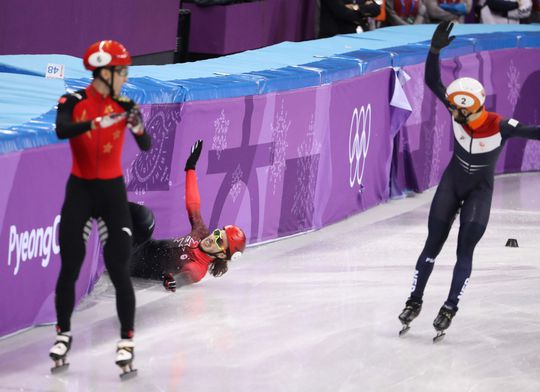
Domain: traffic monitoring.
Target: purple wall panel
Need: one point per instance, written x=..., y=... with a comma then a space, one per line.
x=239, y=27
x=425, y=143
x=69, y=27
x=274, y=164
x=32, y=194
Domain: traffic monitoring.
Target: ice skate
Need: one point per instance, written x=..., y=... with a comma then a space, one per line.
x=410, y=312
x=125, y=352
x=58, y=352
x=442, y=322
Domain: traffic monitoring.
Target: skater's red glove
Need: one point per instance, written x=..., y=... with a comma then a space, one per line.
x=168, y=282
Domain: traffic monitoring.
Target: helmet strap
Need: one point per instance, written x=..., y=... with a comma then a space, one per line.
x=464, y=119
x=215, y=255
x=108, y=84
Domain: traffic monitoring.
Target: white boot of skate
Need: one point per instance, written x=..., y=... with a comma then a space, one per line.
x=58, y=352
x=125, y=352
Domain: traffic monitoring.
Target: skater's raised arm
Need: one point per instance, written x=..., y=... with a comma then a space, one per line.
x=441, y=39
x=193, y=198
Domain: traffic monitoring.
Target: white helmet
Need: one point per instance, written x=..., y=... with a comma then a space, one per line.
x=466, y=93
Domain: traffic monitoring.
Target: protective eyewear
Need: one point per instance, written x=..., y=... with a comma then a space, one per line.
x=219, y=240
x=121, y=71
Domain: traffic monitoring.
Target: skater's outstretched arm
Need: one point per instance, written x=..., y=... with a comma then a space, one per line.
x=513, y=128
x=441, y=39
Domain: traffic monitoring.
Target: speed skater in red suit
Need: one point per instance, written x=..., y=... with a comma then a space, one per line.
x=183, y=260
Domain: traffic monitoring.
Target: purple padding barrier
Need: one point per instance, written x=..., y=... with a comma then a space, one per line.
x=243, y=26
x=274, y=164
x=425, y=143
x=68, y=27
x=33, y=183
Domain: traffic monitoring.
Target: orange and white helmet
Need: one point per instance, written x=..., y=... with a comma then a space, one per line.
x=466, y=93
x=106, y=53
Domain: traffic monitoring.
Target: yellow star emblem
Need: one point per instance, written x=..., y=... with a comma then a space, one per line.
x=83, y=116
x=116, y=135
x=107, y=148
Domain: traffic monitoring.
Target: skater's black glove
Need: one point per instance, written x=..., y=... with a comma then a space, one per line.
x=441, y=36
x=168, y=282
x=194, y=156
x=135, y=121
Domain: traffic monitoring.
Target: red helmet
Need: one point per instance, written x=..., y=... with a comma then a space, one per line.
x=237, y=241
x=106, y=54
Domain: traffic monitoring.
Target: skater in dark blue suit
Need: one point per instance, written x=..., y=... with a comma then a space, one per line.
x=466, y=186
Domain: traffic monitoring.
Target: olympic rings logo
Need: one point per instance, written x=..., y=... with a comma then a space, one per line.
x=359, y=143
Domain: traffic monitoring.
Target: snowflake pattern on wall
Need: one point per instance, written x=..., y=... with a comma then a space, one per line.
x=416, y=95
x=221, y=128
x=280, y=128
x=150, y=171
x=433, y=137
x=531, y=155
x=308, y=163
x=236, y=183
x=513, y=84
x=435, y=173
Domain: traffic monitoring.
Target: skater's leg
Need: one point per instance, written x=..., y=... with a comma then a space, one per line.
x=116, y=235
x=76, y=213
x=473, y=222
x=149, y=260
x=143, y=221
x=441, y=216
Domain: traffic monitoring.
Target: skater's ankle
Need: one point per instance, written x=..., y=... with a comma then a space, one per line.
x=450, y=307
x=414, y=301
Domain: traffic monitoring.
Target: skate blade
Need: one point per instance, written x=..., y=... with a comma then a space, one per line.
x=440, y=336
x=404, y=330
x=59, y=368
x=128, y=375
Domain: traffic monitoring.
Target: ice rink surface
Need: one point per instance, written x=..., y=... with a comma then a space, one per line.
x=318, y=312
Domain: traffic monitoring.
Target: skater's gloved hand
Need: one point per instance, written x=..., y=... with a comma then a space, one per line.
x=168, y=282
x=441, y=36
x=135, y=121
x=194, y=155
x=108, y=120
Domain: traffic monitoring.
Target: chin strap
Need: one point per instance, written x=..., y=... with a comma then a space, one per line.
x=214, y=255
x=111, y=84
x=461, y=118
